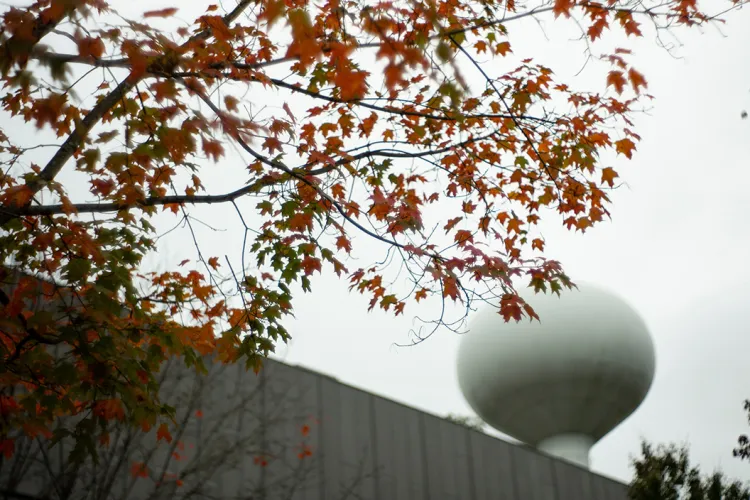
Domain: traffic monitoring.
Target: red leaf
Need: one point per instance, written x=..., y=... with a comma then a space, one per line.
x=462, y=237
x=450, y=287
x=617, y=80
x=163, y=433
x=170, y=11
x=563, y=7
x=7, y=447
x=272, y=144
x=637, y=80
x=138, y=469
x=289, y=112
x=310, y=264
x=213, y=149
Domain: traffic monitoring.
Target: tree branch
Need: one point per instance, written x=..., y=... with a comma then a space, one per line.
x=19, y=46
x=303, y=177
x=153, y=201
x=75, y=139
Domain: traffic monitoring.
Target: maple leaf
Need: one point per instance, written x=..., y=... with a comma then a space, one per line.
x=272, y=144
x=231, y=102
x=503, y=48
x=630, y=26
x=637, y=80
x=310, y=264
x=563, y=7
x=625, y=147
x=352, y=84
x=617, y=80
x=452, y=223
x=163, y=433
x=597, y=27
x=609, y=175
x=425, y=141
x=510, y=307
x=462, y=237
x=343, y=243
x=338, y=191
x=91, y=47
x=272, y=10
x=450, y=288
x=213, y=149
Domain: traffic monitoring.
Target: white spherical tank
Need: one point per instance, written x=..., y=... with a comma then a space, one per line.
x=563, y=383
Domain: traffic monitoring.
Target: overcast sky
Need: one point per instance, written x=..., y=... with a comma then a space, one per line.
x=675, y=249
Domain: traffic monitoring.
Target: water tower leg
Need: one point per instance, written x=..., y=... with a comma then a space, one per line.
x=571, y=447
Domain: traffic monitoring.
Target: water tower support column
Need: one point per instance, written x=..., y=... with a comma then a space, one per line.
x=571, y=447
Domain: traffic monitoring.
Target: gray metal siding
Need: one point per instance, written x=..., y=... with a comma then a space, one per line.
x=363, y=447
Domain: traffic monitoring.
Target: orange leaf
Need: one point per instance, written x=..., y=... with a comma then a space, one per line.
x=213, y=149
x=352, y=84
x=609, y=175
x=343, y=243
x=91, y=47
x=503, y=48
x=214, y=262
x=625, y=147
x=231, y=102
x=163, y=433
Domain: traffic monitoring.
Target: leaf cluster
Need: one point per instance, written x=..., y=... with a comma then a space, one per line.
x=665, y=473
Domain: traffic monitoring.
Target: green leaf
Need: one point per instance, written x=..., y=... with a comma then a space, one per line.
x=78, y=269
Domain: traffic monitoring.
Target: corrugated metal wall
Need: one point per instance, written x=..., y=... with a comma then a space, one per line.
x=414, y=455
x=362, y=447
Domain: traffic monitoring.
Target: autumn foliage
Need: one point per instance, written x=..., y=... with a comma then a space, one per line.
x=386, y=112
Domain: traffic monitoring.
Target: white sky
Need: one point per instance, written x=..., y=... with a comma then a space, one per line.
x=675, y=249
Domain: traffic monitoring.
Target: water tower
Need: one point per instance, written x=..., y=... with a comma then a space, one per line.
x=561, y=384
